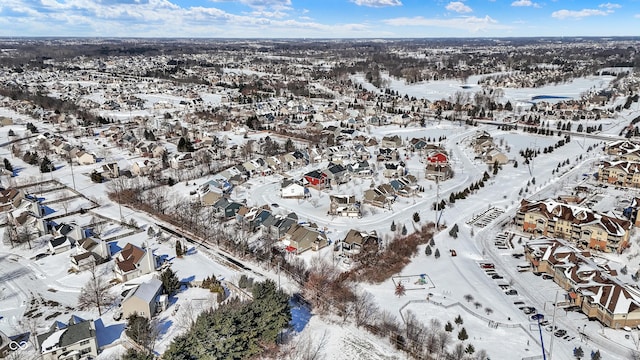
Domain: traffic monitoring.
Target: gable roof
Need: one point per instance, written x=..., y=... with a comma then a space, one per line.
x=129, y=257
x=66, y=336
x=146, y=291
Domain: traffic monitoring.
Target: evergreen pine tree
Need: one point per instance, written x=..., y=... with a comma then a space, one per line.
x=7, y=165
x=170, y=282
x=179, y=249
x=469, y=349
x=448, y=327
x=46, y=165
x=462, y=335
x=427, y=250
x=437, y=253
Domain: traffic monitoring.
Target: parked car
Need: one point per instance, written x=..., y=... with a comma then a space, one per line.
x=511, y=292
x=537, y=317
x=547, y=277
x=529, y=310
x=487, y=266
x=496, y=276
x=560, y=333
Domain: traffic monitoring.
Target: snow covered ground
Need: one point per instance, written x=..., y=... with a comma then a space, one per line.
x=24, y=279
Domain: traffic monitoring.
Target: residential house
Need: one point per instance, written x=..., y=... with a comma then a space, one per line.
x=143, y=299
x=110, y=170
x=344, y=205
x=225, y=208
x=355, y=240
x=392, y=170
x=145, y=167
x=391, y=142
x=316, y=179
x=417, y=144
x=182, y=161
x=387, y=154
x=71, y=230
x=437, y=157
x=256, y=219
x=584, y=227
x=293, y=190
x=84, y=158
x=89, y=252
x=210, y=196
x=404, y=186
x=492, y=156
x=360, y=152
x=336, y=174
x=73, y=341
x=10, y=199
x=60, y=244
x=360, y=169
x=277, y=226
x=481, y=137
x=438, y=172
x=379, y=197
x=133, y=261
x=300, y=238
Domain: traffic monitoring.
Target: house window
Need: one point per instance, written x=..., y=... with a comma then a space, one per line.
x=84, y=342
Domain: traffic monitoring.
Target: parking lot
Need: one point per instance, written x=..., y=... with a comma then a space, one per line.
x=486, y=217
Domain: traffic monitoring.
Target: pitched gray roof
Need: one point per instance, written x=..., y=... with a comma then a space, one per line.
x=67, y=336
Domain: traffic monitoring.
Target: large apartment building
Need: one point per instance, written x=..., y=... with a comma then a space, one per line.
x=582, y=226
x=589, y=285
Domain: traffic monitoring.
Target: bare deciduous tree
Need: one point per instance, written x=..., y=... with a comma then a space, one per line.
x=364, y=308
x=95, y=293
x=307, y=347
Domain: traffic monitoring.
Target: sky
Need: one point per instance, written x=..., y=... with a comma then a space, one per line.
x=318, y=18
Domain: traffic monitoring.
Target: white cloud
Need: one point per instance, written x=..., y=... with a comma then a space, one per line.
x=263, y=4
x=577, y=14
x=377, y=3
x=472, y=23
x=637, y=16
x=269, y=14
x=610, y=6
x=458, y=7
x=525, y=3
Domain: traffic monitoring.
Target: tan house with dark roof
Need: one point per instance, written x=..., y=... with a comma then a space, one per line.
x=299, y=239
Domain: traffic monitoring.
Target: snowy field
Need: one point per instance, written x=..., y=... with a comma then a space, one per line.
x=46, y=285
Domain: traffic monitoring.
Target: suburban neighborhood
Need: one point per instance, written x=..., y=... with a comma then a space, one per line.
x=425, y=205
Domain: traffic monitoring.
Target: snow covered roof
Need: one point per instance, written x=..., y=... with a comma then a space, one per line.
x=578, y=215
x=147, y=291
x=59, y=338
